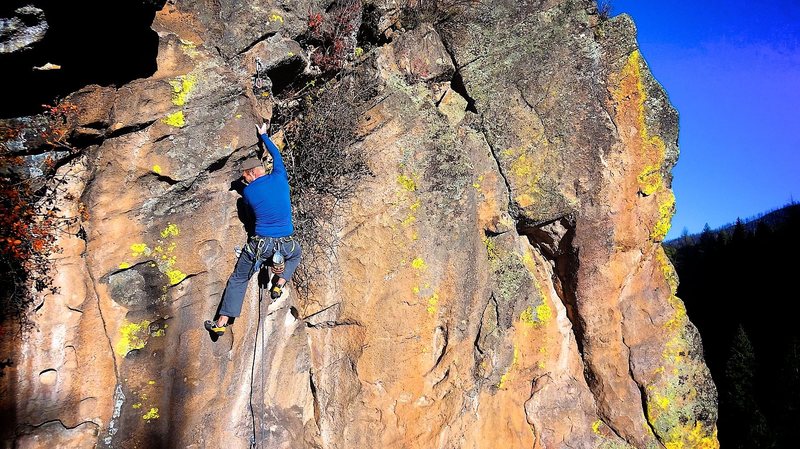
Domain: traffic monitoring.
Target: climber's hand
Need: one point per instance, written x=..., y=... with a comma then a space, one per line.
x=262, y=129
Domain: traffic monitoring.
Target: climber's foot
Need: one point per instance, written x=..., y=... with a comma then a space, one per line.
x=215, y=328
x=277, y=288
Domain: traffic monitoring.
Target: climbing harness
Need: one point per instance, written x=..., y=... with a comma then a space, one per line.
x=257, y=246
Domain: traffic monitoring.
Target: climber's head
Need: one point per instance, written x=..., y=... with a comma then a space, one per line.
x=253, y=169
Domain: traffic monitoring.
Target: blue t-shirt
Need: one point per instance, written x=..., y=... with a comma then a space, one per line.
x=268, y=196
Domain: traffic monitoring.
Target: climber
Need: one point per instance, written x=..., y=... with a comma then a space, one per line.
x=268, y=196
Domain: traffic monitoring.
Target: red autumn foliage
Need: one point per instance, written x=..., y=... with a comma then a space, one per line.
x=29, y=218
x=335, y=34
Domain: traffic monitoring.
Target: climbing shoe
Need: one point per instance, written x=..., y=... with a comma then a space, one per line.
x=212, y=327
x=276, y=291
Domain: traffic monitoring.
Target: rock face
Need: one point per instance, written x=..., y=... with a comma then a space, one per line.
x=498, y=279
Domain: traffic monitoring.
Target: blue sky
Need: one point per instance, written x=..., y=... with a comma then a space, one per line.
x=732, y=69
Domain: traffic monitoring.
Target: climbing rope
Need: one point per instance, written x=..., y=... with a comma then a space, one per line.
x=257, y=438
x=253, y=438
x=263, y=348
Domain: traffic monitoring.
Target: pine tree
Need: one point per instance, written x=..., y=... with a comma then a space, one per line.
x=748, y=426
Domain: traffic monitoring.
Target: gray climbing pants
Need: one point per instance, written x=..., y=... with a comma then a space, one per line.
x=257, y=251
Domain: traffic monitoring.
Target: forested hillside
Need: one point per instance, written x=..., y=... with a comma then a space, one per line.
x=739, y=284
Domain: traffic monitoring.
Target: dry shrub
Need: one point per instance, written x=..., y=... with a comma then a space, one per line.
x=325, y=165
x=437, y=12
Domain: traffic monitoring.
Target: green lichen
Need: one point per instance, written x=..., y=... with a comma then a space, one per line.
x=491, y=249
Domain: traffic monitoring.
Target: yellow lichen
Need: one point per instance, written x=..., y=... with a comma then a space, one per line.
x=596, y=426
x=491, y=248
x=151, y=382
x=505, y=377
x=526, y=317
x=137, y=405
x=276, y=18
x=477, y=183
x=650, y=179
x=139, y=249
x=189, y=48
x=666, y=208
x=165, y=258
x=433, y=301
x=532, y=318
x=175, y=119
x=407, y=183
x=409, y=220
x=418, y=264
x=181, y=86
x=543, y=312
x=124, y=266
x=524, y=200
x=522, y=167
x=358, y=52
x=175, y=276
x=679, y=319
x=687, y=437
x=151, y=414
x=653, y=149
x=132, y=336
x=170, y=231
x=156, y=169
x=670, y=275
